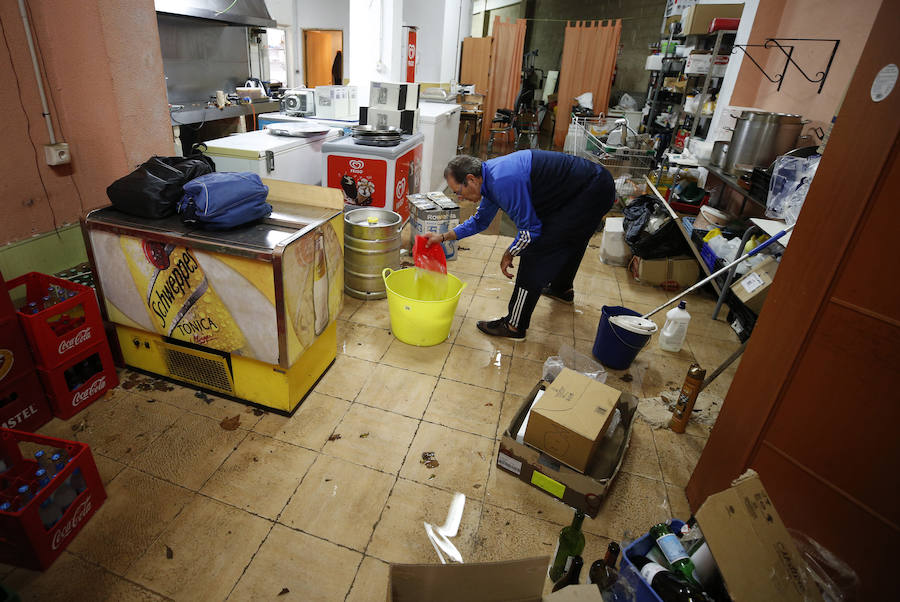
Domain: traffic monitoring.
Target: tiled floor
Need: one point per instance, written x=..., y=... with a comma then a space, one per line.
x=196, y=512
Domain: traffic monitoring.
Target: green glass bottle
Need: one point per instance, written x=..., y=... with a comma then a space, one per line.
x=571, y=543
x=675, y=553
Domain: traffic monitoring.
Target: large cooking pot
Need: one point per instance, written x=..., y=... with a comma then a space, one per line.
x=758, y=138
x=371, y=243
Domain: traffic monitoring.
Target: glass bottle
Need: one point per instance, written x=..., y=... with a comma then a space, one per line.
x=603, y=572
x=669, y=586
x=571, y=543
x=572, y=575
x=675, y=553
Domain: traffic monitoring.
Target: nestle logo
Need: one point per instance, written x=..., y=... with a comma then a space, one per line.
x=85, y=394
x=63, y=532
x=356, y=164
x=69, y=344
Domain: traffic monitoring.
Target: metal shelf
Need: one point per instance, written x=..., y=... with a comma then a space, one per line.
x=685, y=234
x=732, y=183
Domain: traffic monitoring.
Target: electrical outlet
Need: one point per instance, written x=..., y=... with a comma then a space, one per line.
x=57, y=154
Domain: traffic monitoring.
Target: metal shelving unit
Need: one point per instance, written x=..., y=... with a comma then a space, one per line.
x=715, y=53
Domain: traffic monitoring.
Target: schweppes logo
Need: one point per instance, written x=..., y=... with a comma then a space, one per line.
x=172, y=283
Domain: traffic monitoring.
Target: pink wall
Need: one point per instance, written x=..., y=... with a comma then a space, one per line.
x=103, y=70
x=847, y=20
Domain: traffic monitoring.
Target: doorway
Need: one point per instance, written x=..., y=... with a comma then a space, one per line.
x=323, y=51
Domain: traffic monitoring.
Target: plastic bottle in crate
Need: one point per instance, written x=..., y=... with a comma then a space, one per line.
x=64, y=495
x=43, y=478
x=76, y=481
x=49, y=513
x=23, y=496
x=43, y=460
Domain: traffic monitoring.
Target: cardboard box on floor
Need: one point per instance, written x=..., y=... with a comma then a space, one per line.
x=536, y=468
x=569, y=420
x=753, y=549
x=518, y=580
x=682, y=271
x=753, y=286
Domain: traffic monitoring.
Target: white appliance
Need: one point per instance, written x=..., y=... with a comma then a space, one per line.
x=336, y=102
x=300, y=102
x=265, y=119
x=374, y=176
x=439, y=122
x=276, y=157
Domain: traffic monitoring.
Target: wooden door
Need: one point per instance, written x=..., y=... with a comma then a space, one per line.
x=320, y=47
x=476, y=63
x=815, y=404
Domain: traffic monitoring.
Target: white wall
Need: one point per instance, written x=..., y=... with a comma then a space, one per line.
x=282, y=11
x=442, y=26
x=320, y=14
x=376, y=50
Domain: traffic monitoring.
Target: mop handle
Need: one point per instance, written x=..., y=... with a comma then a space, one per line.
x=724, y=269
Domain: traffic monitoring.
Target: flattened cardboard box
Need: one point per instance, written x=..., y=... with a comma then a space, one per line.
x=513, y=580
x=581, y=491
x=755, y=553
x=571, y=417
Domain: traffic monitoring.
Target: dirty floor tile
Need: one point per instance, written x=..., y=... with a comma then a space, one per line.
x=125, y=526
x=362, y=341
x=260, y=475
x=678, y=455
x=311, y=424
x=641, y=458
x=371, y=581
x=523, y=375
x=462, y=460
x=373, y=438
x=678, y=502
x=632, y=505
x=425, y=360
x=202, y=553
x=71, y=578
x=107, y=468
x=400, y=537
x=373, y=313
x=476, y=367
x=307, y=567
x=209, y=405
x=190, y=451
x=398, y=390
x=465, y=407
x=339, y=501
x=345, y=378
x=470, y=336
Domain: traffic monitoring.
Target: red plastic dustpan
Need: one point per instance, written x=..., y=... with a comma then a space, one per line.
x=430, y=258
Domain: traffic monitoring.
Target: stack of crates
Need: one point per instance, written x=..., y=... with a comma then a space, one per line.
x=49, y=488
x=64, y=328
x=23, y=404
x=434, y=212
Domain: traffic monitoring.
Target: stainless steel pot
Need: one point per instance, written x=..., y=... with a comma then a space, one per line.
x=758, y=138
x=371, y=243
x=719, y=150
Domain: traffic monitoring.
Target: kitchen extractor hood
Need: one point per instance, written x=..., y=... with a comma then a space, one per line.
x=238, y=12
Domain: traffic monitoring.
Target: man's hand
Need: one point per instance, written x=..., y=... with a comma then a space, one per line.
x=505, y=263
x=432, y=238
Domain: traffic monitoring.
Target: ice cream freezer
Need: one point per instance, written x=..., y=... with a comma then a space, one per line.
x=287, y=158
x=343, y=124
x=248, y=313
x=374, y=176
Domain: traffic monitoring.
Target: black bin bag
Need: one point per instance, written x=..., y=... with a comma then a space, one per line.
x=155, y=187
x=665, y=242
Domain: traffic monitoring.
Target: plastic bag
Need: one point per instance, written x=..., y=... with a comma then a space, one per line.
x=834, y=578
x=791, y=178
x=585, y=100
x=572, y=359
x=627, y=102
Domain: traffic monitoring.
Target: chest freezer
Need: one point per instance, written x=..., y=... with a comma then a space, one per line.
x=439, y=123
x=265, y=119
x=374, y=176
x=249, y=313
x=284, y=158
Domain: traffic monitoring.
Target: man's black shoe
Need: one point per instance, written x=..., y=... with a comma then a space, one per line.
x=500, y=328
x=566, y=297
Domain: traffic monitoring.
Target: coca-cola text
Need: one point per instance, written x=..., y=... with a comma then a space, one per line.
x=88, y=392
x=69, y=527
x=80, y=337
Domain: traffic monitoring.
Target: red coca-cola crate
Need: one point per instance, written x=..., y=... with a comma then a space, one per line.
x=7, y=310
x=83, y=379
x=15, y=358
x=24, y=539
x=66, y=326
x=23, y=403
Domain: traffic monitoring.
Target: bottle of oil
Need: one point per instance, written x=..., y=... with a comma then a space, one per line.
x=686, y=398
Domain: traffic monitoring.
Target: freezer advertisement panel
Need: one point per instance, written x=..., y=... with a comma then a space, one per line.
x=210, y=299
x=363, y=181
x=313, y=268
x=407, y=179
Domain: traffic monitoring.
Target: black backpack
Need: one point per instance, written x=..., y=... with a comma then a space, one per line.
x=155, y=187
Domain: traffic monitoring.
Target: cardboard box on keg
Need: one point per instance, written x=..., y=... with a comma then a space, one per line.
x=434, y=212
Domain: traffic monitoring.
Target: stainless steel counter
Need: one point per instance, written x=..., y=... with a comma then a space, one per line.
x=199, y=113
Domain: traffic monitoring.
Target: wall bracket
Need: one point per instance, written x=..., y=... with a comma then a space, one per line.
x=788, y=51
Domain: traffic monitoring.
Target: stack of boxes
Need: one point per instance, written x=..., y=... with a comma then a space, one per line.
x=336, y=102
x=392, y=105
x=434, y=212
x=22, y=402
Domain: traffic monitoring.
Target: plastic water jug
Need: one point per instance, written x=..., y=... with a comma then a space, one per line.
x=674, y=332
